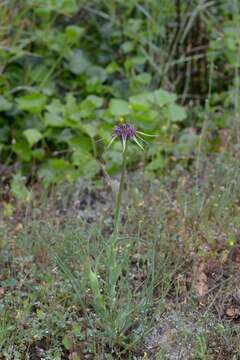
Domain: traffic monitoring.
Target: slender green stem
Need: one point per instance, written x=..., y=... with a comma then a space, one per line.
x=119, y=194
x=94, y=147
x=114, y=266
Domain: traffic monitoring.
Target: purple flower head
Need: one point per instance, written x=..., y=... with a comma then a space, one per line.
x=125, y=131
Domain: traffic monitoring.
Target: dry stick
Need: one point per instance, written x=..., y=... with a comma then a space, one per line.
x=187, y=82
x=185, y=28
x=174, y=42
x=205, y=123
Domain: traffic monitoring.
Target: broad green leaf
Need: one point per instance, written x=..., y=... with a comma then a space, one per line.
x=32, y=136
x=176, y=113
x=53, y=40
x=73, y=33
x=19, y=189
x=96, y=74
x=88, y=106
x=162, y=97
x=159, y=97
x=64, y=135
x=143, y=99
x=135, y=61
x=62, y=6
x=38, y=72
x=86, y=109
x=148, y=120
x=5, y=133
x=80, y=158
x=128, y=46
x=54, y=119
x=143, y=78
x=142, y=108
x=72, y=108
x=38, y=154
x=67, y=6
x=86, y=163
x=156, y=164
x=55, y=106
x=33, y=102
x=119, y=107
x=80, y=143
x=91, y=168
x=5, y=105
x=97, y=101
x=56, y=171
x=78, y=62
x=133, y=27
x=89, y=129
x=112, y=68
x=113, y=160
x=22, y=149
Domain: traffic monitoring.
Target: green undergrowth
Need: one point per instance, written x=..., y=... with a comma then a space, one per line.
x=56, y=297
x=70, y=69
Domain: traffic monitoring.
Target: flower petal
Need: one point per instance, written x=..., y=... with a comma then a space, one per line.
x=139, y=137
x=124, y=143
x=112, y=140
x=142, y=133
x=138, y=143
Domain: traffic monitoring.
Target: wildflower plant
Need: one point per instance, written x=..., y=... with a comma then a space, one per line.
x=124, y=132
x=105, y=301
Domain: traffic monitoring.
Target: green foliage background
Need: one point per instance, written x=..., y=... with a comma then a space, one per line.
x=71, y=68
